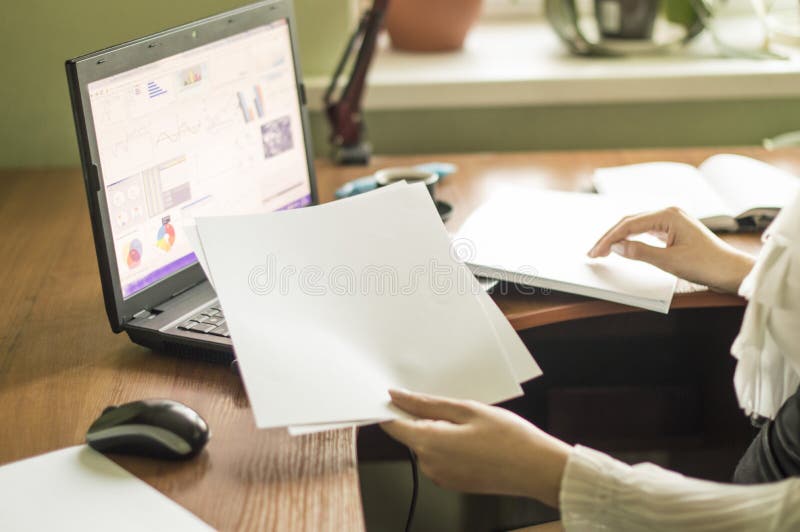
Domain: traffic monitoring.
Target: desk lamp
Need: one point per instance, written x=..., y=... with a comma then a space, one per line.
x=344, y=114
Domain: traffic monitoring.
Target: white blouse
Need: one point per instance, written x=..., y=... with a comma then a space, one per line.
x=599, y=493
x=768, y=345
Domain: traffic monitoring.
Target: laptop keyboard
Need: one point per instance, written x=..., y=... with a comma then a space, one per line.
x=209, y=321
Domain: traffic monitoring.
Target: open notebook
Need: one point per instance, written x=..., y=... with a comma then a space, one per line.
x=726, y=192
x=541, y=238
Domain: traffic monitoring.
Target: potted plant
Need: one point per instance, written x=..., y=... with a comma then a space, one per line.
x=431, y=25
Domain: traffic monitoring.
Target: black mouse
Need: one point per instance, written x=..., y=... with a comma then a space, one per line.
x=157, y=428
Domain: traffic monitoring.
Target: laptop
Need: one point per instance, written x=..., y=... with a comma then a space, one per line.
x=201, y=120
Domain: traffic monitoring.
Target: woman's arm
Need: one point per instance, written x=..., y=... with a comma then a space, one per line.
x=476, y=448
x=692, y=252
x=600, y=493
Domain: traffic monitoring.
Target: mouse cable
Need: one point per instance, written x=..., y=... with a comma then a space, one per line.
x=412, y=458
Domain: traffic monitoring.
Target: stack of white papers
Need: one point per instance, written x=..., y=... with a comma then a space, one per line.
x=331, y=306
x=79, y=489
x=541, y=239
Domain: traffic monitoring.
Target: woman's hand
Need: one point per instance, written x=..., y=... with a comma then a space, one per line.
x=692, y=252
x=469, y=446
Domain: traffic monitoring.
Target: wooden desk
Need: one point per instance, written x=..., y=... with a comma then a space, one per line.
x=60, y=365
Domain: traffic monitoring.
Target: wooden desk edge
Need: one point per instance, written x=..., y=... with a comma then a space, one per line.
x=592, y=308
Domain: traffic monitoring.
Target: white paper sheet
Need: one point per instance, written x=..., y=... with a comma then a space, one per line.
x=190, y=230
x=302, y=430
x=193, y=236
x=541, y=238
x=522, y=363
x=315, y=350
x=78, y=489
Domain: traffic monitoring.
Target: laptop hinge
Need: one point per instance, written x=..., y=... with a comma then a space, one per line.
x=144, y=313
x=182, y=290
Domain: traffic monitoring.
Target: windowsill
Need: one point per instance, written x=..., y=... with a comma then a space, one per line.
x=518, y=64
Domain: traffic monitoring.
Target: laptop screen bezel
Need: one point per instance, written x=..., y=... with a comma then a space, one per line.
x=121, y=58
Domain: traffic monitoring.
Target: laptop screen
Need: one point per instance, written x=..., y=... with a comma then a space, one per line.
x=215, y=130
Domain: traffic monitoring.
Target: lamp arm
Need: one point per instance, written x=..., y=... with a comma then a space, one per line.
x=344, y=114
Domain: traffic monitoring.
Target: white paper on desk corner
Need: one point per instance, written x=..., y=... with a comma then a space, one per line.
x=315, y=351
x=78, y=489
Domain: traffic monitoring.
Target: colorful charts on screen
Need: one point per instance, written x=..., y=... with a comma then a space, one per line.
x=166, y=237
x=133, y=253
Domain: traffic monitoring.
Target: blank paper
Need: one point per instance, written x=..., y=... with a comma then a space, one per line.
x=78, y=489
x=314, y=348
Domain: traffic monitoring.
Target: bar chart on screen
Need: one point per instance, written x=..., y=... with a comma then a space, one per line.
x=251, y=103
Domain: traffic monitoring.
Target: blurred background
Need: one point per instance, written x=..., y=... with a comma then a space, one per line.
x=512, y=87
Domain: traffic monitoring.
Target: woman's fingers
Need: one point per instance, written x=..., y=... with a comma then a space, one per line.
x=661, y=235
x=632, y=249
x=629, y=226
x=431, y=407
x=692, y=252
x=492, y=452
x=428, y=407
x=405, y=431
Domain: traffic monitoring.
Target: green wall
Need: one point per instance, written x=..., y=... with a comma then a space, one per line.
x=557, y=127
x=37, y=36
x=36, y=125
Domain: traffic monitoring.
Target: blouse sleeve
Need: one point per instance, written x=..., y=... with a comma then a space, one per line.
x=599, y=493
x=768, y=371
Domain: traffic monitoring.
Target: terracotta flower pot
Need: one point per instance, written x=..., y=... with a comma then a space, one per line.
x=431, y=25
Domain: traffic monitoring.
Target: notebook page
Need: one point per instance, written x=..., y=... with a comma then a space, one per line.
x=653, y=186
x=746, y=183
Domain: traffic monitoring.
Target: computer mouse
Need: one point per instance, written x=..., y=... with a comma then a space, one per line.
x=157, y=428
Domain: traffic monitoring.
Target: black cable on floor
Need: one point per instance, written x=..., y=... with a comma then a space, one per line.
x=412, y=458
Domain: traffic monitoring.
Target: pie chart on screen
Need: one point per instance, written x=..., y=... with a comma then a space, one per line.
x=134, y=253
x=166, y=237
